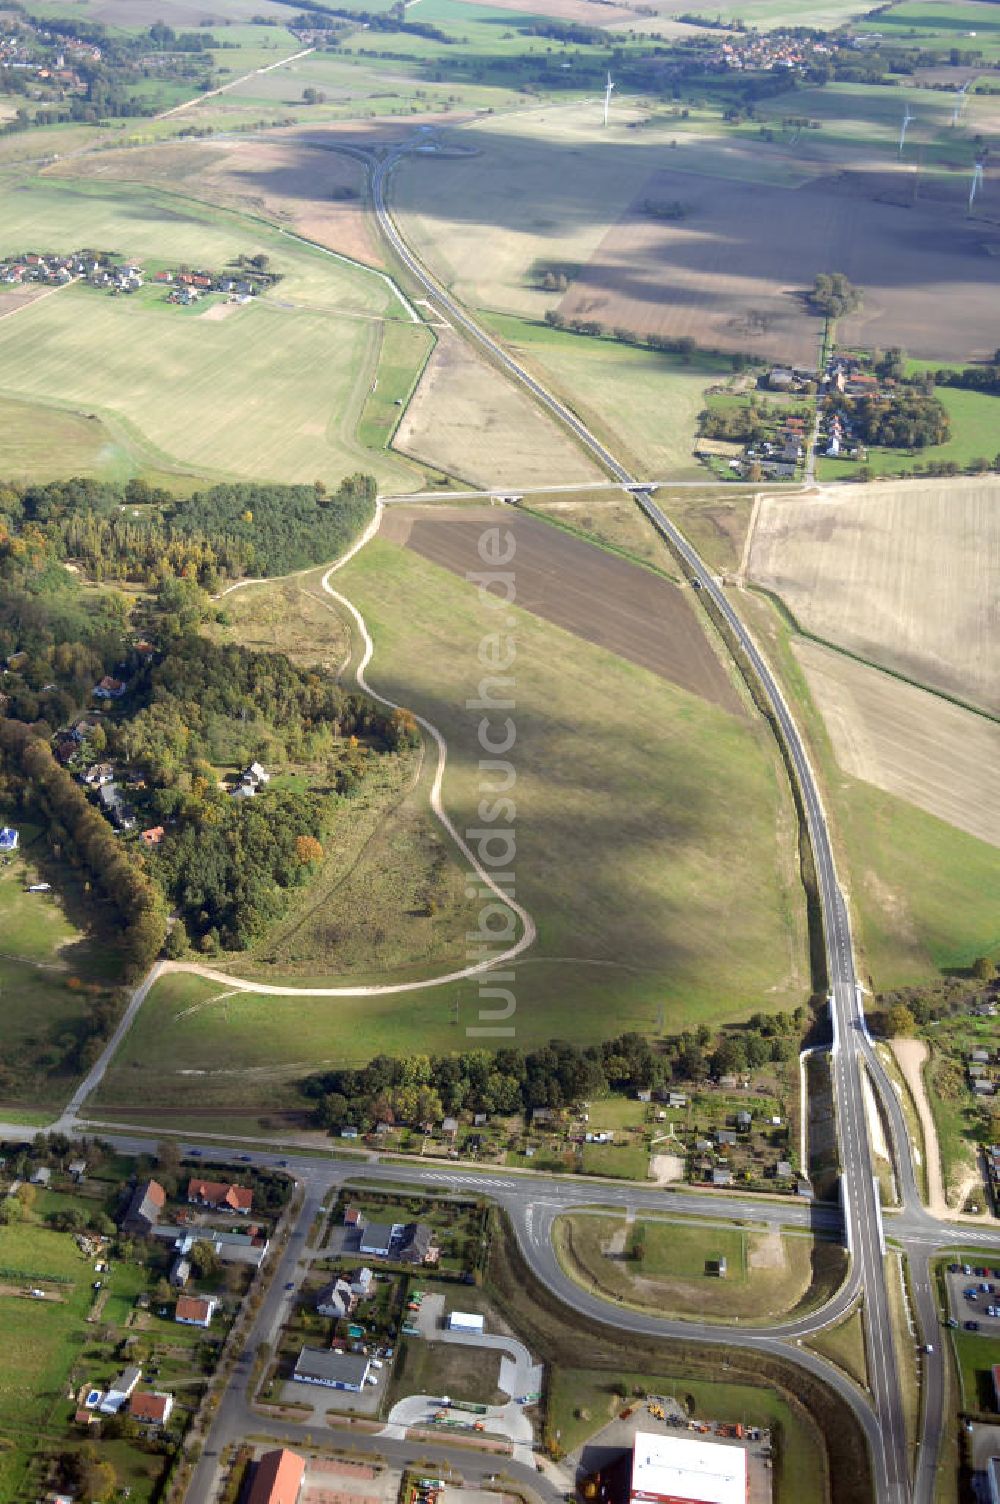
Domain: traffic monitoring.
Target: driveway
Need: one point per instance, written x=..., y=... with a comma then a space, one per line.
x=520, y=1378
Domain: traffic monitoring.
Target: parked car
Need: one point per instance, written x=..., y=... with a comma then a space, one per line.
x=972, y=1326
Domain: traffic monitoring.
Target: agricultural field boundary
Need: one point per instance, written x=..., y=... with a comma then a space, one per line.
x=791, y=621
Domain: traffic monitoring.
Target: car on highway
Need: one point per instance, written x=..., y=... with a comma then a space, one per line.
x=244, y=1157
x=290, y=1285
x=972, y=1326
x=952, y=1321
x=282, y=1163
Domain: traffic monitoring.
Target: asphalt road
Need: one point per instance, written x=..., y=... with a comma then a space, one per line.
x=853, y=1048
x=860, y=1193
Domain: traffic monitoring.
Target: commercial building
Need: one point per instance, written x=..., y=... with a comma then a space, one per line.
x=332, y=1369
x=685, y=1470
x=277, y=1478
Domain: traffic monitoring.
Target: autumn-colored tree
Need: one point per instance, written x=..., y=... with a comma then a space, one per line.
x=900, y=1021
x=308, y=850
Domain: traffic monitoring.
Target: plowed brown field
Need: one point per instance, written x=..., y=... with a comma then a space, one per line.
x=584, y=589
x=732, y=271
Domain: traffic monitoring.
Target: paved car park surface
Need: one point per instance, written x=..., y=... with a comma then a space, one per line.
x=973, y=1292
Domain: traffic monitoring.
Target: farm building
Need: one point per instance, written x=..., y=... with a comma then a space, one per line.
x=143, y=1211
x=277, y=1478
x=332, y=1369
x=680, y=1470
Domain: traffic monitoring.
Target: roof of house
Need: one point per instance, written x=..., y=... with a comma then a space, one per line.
x=277, y=1478
x=153, y=836
x=679, y=1467
x=416, y=1240
x=330, y=1366
x=126, y=1380
x=150, y=1405
x=239, y=1198
x=194, y=1308
x=148, y=1200
x=377, y=1235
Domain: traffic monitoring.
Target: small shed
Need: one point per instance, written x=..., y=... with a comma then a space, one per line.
x=465, y=1321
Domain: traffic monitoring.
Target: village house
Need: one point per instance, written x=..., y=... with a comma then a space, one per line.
x=144, y=1209
x=220, y=1196
x=151, y=1407
x=195, y=1310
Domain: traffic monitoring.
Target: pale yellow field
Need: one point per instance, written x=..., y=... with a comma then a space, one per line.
x=469, y=420
x=904, y=574
x=543, y=185
x=942, y=758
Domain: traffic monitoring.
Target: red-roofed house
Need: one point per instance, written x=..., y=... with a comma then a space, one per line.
x=194, y=1310
x=151, y=1407
x=220, y=1196
x=277, y=1478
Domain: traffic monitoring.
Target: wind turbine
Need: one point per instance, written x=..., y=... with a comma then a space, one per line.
x=607, y=99
x=959, y=102
x=907, y=117
x=977, y=183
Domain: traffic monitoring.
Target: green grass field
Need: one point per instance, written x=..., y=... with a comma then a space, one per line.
x=643, y=402
x=684, y=835
x=47, y=968
x=975, y=433
x=766, y=1276
x=940, y=24
x=274, y=389
x=844, y=1344
x=920, y=889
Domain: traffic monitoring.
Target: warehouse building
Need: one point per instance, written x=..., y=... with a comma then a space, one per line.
x=687, y=1470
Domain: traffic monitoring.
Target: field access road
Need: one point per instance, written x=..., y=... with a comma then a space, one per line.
x=862, y=1206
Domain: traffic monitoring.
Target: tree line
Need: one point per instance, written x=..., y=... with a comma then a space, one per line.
x=77, y=834
x=227, y=532
x=423, y=1088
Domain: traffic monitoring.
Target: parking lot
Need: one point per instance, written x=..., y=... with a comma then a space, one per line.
x=973, y=1293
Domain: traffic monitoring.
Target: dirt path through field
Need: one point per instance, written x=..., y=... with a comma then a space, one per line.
x=200, y=98
x=910, y=1056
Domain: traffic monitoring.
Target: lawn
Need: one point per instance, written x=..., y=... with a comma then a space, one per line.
x=959, y=1117
x=50, y=973
x=622, y=1161
x=766, y=1275
x=715, y=522
x=582, y=1400
x=273, y=389
x=844, y=1344
x=648, y=824
x=976, y=1356
x=975, y=424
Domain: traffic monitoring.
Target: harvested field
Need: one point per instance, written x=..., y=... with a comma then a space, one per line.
x=585, y=590
x=467, y=419
x=288, y=177
x=908, y=742
x=732, y=272
x=586, y=12
x=903, y=574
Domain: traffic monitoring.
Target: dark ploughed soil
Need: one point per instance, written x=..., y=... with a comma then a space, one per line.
x=582, y=588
